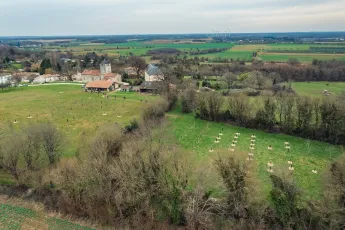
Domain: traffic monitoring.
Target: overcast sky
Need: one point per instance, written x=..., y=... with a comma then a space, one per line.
x=103, y=17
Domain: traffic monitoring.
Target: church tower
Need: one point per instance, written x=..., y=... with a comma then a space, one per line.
x=105, y=67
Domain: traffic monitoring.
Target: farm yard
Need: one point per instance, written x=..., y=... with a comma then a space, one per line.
x=198, y=137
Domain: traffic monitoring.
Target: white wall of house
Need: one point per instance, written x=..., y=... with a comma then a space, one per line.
x=105, y=68
x=5, y=79
x=90, y=78
x=152, y=77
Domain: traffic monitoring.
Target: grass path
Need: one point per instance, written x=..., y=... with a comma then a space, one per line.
x=17, y=217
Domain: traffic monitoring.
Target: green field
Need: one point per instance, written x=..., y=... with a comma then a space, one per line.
x=70, y=108
x=316, y=89
x=302, y=57
x=229, y=54
x=280, y=52
x=14, y=217
x=198, y=136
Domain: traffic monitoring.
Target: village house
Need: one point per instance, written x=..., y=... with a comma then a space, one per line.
x=115, y=78
x=5, y=78
x=100, y=86
x=130, y=71
x=150, y=87
x=45, y=78
x=103, y=74
x=153, y=73
x=26, y=76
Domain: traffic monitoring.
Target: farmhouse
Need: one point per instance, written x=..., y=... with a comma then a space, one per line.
x=26, y=76
x=115, y=78
x=91, y=75
x=153, y=73
x=100, y=86
x=104, y=73
x=130, y=71
x=47, y=78
x=150, y=86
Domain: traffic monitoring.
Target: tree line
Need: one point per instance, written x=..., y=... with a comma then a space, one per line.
x=312, y=118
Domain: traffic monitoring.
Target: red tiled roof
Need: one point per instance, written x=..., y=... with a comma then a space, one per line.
x=94, y=72
x=99, y=84
x=109, y=75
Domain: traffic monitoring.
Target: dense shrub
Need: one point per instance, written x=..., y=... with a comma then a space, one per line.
x=300, y=116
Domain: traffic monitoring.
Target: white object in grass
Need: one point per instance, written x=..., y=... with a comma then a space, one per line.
x=270, y=170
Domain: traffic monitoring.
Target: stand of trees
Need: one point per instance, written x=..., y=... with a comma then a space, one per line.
x=322, y=120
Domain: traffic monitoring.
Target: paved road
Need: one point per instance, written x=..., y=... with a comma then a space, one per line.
x=57, y=84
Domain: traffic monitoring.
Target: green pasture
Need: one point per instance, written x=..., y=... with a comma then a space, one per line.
x=14, y=217
x=70, y=108
x=316, y=89
x=229, y=54
x=302, y=57
x=198, y=137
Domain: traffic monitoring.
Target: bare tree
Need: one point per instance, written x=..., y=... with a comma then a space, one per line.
x=138, y=63
x=10, y=151
x=32, y=151
x=69, y=69
x=229, y=78
x=53, y=142
x=16, y=78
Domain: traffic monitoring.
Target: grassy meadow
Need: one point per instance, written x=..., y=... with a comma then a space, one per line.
x=315, y=89
x=306, y=58
x=198, y=137
x=16, y=217
x=76, y=113
x=70, y=108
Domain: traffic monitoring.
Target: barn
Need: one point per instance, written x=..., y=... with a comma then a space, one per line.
x=100, y=86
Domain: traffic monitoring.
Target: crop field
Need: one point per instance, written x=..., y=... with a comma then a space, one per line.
x=14, y=217
x=316, y=89
x=198, y=137
x=280, y=52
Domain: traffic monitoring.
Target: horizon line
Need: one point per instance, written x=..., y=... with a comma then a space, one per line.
x=201, y=33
